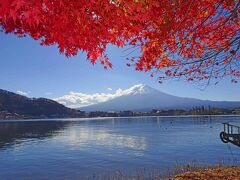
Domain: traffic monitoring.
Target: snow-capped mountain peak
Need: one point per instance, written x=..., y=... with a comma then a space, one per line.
x=139, y=89
x=138, y=97
x=79, y=99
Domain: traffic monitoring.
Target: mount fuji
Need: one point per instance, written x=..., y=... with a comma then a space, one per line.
x=145, y=98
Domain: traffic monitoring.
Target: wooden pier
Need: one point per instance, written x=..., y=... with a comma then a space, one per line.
x=230, y=134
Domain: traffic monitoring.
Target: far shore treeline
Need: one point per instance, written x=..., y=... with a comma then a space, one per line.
x=15, y=106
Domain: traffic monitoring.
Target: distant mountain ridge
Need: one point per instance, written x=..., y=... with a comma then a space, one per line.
x=145, y=98
x=34, y=107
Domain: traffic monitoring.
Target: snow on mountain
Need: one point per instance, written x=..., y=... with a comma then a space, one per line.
x=144, y=98
x=138, y=89
x=78, y=99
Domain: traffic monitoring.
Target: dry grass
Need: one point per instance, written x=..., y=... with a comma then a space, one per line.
x=190, y=171
x=217, y=173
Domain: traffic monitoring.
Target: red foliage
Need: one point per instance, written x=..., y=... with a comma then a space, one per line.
x=197, y=39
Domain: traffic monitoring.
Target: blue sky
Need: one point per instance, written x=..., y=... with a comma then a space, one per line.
x=41, y=71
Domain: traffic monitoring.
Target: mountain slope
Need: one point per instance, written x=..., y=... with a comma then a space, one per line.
x=15, y=103
x=145, y=98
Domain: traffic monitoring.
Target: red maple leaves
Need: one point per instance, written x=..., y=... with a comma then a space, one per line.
x=176, y=38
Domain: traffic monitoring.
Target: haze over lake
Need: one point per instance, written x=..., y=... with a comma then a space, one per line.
x=77, y=148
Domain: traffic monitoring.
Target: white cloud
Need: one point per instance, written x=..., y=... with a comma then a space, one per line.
x=23, y=93
x=78, y=99
x=110, y=89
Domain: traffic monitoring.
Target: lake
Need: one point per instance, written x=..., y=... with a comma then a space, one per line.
x=79, y=148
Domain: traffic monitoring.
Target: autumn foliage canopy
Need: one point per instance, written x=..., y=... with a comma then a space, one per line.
x=195, y=39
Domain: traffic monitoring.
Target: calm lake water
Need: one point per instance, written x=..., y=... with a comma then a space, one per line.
x=77, y=148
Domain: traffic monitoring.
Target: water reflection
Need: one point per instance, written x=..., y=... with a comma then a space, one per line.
x=74, y=133
x=81, y=136
x=70, y=149
x=14, y=133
